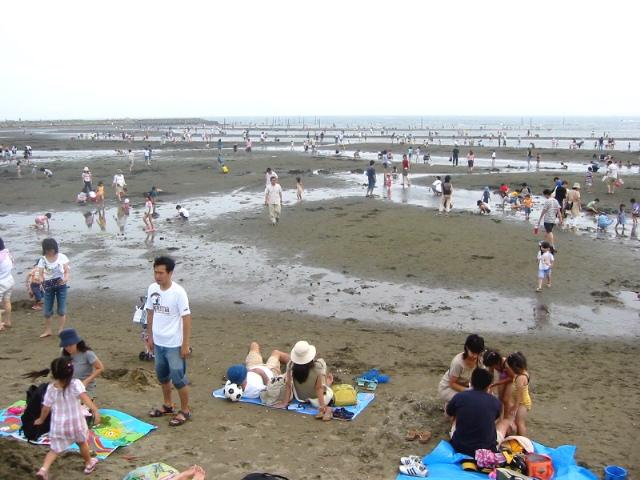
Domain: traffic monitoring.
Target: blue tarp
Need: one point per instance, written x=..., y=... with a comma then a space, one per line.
x=444, y=464
x=364, y=399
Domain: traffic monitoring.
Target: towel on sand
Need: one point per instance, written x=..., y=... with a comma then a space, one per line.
x=116, y=430
x=364, y=399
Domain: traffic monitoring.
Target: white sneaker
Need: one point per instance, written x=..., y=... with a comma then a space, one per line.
x=411, y=460
x=415, y=470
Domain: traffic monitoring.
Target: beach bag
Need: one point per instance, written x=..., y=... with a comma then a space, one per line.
x=264, y=476
x=275, y=391
x=35, y=396
x=153, y=471
x=618, y=183
x=344, y=395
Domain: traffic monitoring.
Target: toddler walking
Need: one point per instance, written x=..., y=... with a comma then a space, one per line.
x=545, y=262
x=63, y=399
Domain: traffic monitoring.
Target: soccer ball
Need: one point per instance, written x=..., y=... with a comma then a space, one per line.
x=232, y=391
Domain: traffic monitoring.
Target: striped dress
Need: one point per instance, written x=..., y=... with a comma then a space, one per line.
x=68, y=424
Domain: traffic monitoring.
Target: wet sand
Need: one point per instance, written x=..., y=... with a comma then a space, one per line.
x=585, y=390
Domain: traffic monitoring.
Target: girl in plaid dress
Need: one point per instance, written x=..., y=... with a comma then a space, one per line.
x=68, y=424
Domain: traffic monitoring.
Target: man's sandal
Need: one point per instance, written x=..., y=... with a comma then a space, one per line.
x=176, y=421
x=163, y=410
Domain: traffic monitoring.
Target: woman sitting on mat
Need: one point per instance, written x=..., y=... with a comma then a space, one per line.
x=307, y=380
x=457, y=378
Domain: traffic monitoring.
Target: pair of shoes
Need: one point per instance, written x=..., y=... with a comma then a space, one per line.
x=343, y=414
x=176, y=422
x=91, y=466
x=423, y=436
x=375, y=375
x=417, y=469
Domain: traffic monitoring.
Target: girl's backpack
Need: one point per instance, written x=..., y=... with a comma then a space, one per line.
x=35, y=396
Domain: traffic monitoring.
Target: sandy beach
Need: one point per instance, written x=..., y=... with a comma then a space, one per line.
x=371, y=282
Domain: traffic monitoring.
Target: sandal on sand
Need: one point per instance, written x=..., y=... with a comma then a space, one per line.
x=43, y=474
x=163, y=410
x=176, y=421
x=424, y=437
x=411, y=435
x=91, y=466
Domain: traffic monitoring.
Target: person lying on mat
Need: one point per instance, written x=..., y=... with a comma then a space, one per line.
x=254, y=375
x=476, y=413
x=307, y=380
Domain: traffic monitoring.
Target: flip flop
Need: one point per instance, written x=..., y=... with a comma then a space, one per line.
x=45, y=335
x=164, y=410
x=411, y=435
x=91, y=466
x=176, y=422
x=424, y=436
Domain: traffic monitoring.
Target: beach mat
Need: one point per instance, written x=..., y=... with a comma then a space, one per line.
x=116, y=430
x=444, y=464
x=364, y=399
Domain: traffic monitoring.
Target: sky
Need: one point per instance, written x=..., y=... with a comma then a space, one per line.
x=143, y=59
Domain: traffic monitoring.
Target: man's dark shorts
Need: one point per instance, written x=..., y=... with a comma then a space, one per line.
x=548, y=227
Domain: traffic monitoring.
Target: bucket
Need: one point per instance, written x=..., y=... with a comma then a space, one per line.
x=613, y=472
x=539, y=466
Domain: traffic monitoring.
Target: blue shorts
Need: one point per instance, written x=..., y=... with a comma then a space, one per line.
x=36, y=289
x=544, y=273
x=170, y=366
x=59, y=293
x=527, y=210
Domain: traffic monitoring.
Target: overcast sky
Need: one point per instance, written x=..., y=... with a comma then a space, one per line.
x=83, y=59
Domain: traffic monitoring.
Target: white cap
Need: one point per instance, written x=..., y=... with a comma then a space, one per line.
x=126, y=200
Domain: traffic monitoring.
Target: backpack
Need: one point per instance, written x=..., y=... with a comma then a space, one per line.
x=264, y=476
x=35, y=396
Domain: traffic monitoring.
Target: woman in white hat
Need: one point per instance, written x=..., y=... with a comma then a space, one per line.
x=307, y=380
x=573, y=201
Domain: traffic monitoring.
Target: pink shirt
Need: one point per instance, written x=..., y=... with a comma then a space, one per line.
x=68, y=424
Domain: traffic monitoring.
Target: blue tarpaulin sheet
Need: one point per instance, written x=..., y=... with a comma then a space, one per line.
x=444, y=464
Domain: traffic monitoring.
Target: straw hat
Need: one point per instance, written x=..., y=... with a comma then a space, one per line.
x=303, y=353
x=85, y=169
x=576, y=185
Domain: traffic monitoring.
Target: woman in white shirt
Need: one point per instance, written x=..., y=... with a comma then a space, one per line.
x=54, y=270
x=6, y=284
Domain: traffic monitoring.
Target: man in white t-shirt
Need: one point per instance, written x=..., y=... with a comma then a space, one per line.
x=273, y=199
x=169, y=327
x=550, y=211
x=254, y=375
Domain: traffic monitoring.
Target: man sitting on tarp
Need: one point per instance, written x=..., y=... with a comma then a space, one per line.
x=476, y=414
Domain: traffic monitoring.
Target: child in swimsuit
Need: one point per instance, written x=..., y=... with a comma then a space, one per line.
x=521, y=406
